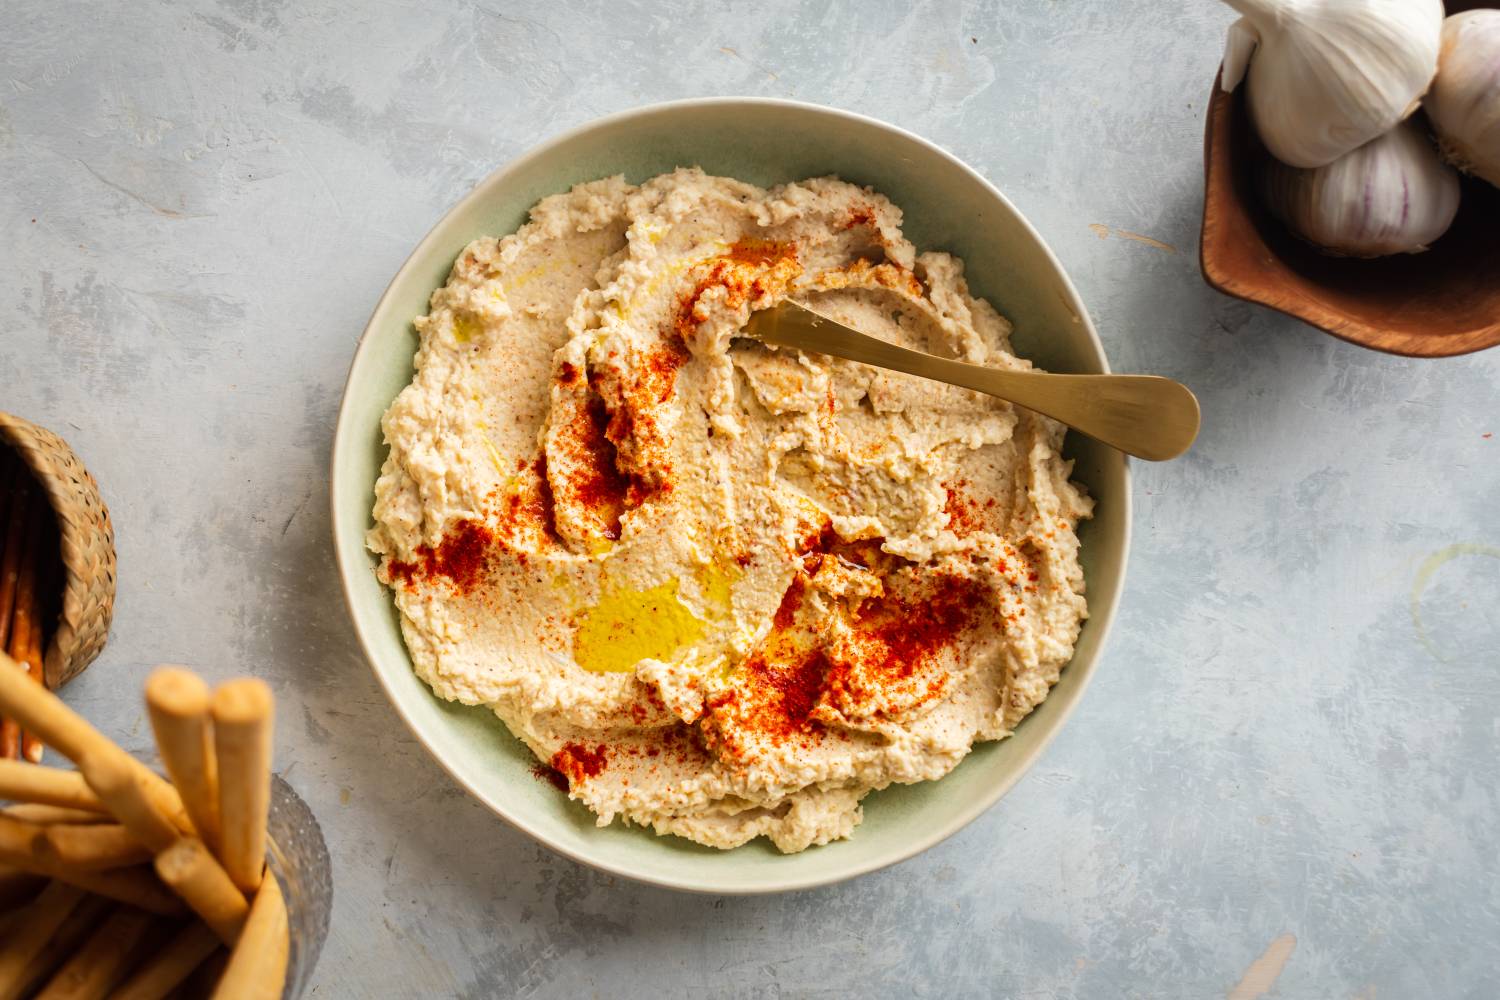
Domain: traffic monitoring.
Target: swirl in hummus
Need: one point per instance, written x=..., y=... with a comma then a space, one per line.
x=726, y=590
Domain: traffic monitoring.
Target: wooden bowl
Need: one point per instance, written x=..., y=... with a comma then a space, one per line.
x=1435, y=304
x=86, y=542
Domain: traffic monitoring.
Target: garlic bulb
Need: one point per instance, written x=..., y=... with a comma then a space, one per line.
x=1392, y=195
x=1327, y=76
x=1464, y=104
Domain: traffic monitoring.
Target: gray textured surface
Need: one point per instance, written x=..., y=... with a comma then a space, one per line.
x=1293, y=733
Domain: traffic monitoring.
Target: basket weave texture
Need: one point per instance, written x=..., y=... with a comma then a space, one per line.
x=87, y=542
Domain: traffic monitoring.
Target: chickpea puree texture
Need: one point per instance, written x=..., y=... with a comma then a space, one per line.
x=723, y=590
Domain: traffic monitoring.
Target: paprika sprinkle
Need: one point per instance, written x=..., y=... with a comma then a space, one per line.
x=577, y=762
x=460, y=558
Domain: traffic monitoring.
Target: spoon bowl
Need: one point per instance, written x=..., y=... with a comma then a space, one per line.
x=1146, y=416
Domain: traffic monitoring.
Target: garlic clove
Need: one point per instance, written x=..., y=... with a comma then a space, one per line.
x=1464, y=103
x=1391, y=195
x=1328, y=76
x=1239, y=46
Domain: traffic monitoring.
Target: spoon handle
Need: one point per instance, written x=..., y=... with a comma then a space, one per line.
x=1146, y=416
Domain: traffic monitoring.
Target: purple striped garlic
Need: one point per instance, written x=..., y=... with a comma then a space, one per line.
x=1392, y=195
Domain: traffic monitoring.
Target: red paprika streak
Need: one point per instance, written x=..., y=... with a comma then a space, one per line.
x=896, y=637
x=782, y=682
x=578, y=762
x=598, y=485
x=460, y=557
x=786, y=692
x=741, y=272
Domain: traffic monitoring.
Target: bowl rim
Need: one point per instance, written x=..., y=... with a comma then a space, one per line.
x=1228, y=217
x=1108, y=602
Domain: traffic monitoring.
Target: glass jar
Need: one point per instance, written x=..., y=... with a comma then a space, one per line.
x=298, y=857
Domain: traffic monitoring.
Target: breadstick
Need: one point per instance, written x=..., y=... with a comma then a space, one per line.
x=23, y=610
x=95, y=968
x=29, y=812
x=191, y=871
x=22, y=614
x=136, y=886
x=17, y=483
x=23, y=846
x=169, y=967
x=39, y=710
x=178, y=702
x=95, y=847
x=257, y=966
x=18, y=838
x=42, y=919
x=10, y=734
x=49, y=584
x=29, y=611
x=10, y=468
x=23, y=782
x=44, y=713
x=28, y=846
x=243, y=712
x=32, y=748
x=86, y=916
x=7, y=475
x=116, y=779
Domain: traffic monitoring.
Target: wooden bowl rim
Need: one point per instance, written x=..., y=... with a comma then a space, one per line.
x=1314, y=314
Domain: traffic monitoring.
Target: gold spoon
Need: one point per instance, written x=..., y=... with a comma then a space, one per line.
x=1146, y=416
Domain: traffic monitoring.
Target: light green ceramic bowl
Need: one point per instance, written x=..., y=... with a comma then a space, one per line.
x=948, y=206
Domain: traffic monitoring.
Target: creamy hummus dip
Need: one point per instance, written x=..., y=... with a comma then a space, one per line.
x=724, y=590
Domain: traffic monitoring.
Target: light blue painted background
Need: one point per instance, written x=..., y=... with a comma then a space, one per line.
x=222, y=189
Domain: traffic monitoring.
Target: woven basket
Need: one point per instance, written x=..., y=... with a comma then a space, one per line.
x=88, y=547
